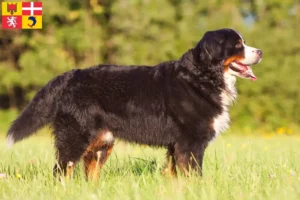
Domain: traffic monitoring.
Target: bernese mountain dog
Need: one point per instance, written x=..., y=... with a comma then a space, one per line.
x=180, y=105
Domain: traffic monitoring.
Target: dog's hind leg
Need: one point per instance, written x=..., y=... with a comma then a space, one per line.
x=70, y=142
x=68, y=154
x=97, y=153
x=171, y=162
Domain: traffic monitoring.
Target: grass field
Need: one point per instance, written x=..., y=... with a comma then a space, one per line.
x=235, y=167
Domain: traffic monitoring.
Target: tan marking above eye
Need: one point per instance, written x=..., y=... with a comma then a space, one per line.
x=239, y=45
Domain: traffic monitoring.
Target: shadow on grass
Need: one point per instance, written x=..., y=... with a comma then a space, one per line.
x=135, y=166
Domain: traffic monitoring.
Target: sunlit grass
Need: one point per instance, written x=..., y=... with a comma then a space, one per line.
x=235, y=167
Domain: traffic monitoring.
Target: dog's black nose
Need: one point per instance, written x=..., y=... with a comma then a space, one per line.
x=260, y=53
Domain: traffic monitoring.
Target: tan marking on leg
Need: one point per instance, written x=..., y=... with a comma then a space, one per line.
x=185, y=164
x=97, y=153
x=91, y=170
x=170, y=169
x=70, y=169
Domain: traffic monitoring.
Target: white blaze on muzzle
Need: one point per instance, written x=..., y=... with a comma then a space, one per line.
x=251, y=55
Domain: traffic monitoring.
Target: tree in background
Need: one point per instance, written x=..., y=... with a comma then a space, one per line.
x=79, y=34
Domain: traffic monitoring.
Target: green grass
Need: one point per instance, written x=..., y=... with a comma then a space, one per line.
x=235, y=167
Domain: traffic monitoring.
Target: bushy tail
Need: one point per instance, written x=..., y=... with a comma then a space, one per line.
x=39, y=112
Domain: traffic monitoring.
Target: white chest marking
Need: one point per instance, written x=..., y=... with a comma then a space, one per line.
x=228, y=95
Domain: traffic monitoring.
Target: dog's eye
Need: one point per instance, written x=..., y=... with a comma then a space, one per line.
x=239, y=45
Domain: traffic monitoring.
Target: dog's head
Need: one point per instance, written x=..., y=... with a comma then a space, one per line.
x=228, y=47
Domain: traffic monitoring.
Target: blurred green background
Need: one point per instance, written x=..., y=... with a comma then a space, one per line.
x=83, y=33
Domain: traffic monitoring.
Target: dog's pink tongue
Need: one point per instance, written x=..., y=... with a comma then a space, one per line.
x=249, y=73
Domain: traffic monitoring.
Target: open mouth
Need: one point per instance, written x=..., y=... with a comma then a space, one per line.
x=242, y=70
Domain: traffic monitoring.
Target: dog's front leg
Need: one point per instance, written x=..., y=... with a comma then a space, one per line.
x=189, y=156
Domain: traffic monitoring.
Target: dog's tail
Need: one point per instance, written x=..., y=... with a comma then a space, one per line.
x=39, y=112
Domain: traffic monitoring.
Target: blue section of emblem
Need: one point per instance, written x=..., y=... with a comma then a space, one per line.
x=33, y=19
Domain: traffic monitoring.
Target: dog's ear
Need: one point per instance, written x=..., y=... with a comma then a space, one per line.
x=210, y=47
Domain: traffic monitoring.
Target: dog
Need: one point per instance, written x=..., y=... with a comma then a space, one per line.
x=181, y=105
